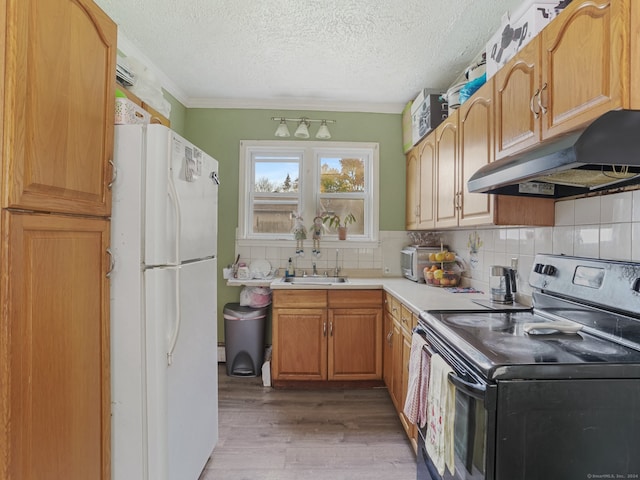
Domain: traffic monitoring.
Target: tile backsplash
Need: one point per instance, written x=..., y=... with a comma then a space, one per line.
x=605, y=227
x=601, y=227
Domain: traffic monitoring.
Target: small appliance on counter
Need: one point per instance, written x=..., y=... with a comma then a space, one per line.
x=414, y=258
x=502, y=284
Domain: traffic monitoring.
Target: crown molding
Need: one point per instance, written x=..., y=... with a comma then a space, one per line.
x=306, y=104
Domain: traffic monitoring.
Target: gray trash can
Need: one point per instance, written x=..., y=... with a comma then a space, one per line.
x=244, y=339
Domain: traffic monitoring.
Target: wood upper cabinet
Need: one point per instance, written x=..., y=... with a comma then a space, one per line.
x=59, y=94
x=446, y=172
x=412, y=209
x=464, y=143
x=54, y=370
x=456, y=163
x=575, y=70
x=516, y=91
x=327, y=335
x=420, y=204
x=475, y=141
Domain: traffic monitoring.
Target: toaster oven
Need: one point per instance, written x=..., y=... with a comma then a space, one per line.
x=413, y=260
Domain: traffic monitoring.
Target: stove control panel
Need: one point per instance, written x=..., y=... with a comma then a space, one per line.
x=608, y=283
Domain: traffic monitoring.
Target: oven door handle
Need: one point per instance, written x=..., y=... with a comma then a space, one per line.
x=475, y=390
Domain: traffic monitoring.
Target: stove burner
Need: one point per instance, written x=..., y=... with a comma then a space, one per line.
x=477, y=320
x=518, y=346
x=593, y=350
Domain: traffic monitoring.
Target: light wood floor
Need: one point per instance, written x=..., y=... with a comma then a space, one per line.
x=268, y=434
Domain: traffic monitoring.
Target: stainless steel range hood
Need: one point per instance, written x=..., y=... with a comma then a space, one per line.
x=605, y=155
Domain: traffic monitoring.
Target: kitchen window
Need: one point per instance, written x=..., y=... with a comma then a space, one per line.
x=279, y=179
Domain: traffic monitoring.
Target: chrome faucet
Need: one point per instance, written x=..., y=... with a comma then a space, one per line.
x=315, y=270
x=336, y=271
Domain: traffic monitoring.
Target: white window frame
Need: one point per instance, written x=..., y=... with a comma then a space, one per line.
x=310, y=152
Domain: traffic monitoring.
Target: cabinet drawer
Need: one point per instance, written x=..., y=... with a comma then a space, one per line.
x=406, y=318
x=395, y=307
x=299, y=298
x=354, y=298
x=388, y=299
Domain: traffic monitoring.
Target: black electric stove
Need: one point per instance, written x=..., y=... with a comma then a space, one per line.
x=548, y=392
x=598, y=302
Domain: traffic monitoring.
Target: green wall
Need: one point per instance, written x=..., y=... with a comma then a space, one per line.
x=219, y=132
x=178, y=114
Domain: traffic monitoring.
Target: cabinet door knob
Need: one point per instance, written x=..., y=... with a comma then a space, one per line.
x=324, y=329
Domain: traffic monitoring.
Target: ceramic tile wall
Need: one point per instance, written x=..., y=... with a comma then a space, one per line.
x=383, y=260
x=600, y=227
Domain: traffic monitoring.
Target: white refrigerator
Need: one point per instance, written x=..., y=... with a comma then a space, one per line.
x=164, y=381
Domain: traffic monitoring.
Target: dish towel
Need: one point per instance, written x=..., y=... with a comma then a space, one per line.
x=440, y=416
x=415, y=405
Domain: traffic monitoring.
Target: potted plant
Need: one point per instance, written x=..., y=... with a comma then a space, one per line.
x=339, y=224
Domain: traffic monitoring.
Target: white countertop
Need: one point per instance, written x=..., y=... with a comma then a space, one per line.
x=416, y=296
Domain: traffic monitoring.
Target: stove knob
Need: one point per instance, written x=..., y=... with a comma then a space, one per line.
x=549, y=270
x=538, y=268
x=636, y=285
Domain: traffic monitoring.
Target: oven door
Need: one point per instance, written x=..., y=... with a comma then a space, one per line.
x=470, y=430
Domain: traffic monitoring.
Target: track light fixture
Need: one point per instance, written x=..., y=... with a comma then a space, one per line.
x=302, y=130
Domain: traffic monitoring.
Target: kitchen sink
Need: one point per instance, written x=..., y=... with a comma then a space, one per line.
x=315, y=280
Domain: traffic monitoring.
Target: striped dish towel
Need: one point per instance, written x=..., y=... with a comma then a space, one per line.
x=440, y=416
x=415, y=405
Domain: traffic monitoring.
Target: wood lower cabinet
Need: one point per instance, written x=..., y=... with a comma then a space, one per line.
x=387, y=349
x=299, y=343
x=327, y=335
x=54, y=352
x=400, y=321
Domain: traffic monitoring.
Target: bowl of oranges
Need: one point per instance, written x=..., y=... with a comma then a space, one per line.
x=443, y=270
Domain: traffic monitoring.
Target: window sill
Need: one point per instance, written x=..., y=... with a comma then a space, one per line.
x=308, y=243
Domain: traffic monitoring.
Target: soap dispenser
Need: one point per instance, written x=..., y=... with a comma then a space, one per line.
x=290, y=271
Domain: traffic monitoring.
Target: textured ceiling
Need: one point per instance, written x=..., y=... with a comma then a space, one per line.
x=369, y=55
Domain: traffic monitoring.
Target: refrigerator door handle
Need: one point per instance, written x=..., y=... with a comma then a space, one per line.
x=176, y=330
x=173, y=194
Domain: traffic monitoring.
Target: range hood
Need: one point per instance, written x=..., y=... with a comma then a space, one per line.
x=605, y=155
